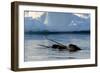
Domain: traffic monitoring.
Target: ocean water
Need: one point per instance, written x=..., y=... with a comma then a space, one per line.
x=34, y=52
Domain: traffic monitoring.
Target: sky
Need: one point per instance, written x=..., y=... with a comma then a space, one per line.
x=35, y=15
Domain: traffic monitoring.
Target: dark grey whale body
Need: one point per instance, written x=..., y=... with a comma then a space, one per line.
x=59, y=46
x=73, y=48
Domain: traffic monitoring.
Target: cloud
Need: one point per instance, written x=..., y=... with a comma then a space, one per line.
x=85, y=16
x=34, y=15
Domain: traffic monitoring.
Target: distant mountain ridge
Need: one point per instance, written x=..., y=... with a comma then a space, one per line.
x=56, y=22
x=69, y=32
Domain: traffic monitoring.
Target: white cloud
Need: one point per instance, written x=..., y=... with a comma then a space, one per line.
x=34, y=15
x=85, y=16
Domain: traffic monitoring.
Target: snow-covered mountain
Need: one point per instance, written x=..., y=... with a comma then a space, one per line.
x=31, y=24
x=55, y=21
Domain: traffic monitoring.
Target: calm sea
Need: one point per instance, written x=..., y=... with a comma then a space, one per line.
x=34, y=52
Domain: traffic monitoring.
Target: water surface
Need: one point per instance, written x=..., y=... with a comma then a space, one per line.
x=34, y=52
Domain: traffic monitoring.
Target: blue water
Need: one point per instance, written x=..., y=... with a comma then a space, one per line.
x=34, y=52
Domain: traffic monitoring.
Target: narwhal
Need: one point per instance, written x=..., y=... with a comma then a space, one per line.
x=60, y=46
